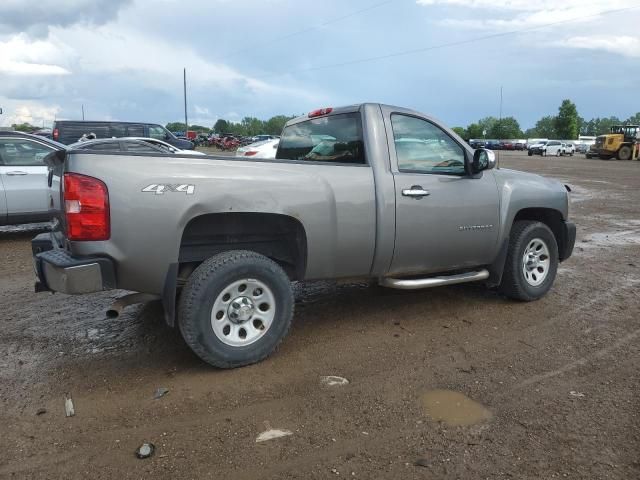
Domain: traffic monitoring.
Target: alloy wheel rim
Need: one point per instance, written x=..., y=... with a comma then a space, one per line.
x=536, y=262
x=243, y=312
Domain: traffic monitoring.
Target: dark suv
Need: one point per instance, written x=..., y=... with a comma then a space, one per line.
x=70, y=131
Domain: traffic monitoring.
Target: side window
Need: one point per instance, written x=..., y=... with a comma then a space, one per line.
x=156, y=131
x=422, y=147
x=335, y=139
x=22, y=152
x=135, y=131
x=101, y=147
x=140, y=147
x=118, y=131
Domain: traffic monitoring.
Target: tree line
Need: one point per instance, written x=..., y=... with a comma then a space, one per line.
x=247, y=127
x=567, y=124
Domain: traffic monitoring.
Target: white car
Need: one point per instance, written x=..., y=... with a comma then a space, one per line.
x=552, y=147
x=263, y=149
x=569, y=149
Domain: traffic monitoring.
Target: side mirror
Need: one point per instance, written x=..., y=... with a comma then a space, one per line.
x=483, y=159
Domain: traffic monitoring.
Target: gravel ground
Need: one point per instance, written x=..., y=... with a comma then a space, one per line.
x=455, y=382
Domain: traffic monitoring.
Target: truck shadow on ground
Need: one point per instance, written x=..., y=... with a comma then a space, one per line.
x=140, y=338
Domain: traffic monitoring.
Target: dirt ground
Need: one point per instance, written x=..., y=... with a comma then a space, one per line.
x=556, y=381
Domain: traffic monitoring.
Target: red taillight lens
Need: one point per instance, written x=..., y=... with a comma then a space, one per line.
x=86, y=208
x=56, y=134
x=250, y=153
x=320, y=112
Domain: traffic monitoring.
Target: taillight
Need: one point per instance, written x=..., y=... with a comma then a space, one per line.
x=250, y=153
x=320, y=112
x=86, y=208
x=56, y=134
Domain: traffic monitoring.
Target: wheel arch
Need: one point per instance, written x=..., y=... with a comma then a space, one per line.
x=279, y=237
x=551, y=217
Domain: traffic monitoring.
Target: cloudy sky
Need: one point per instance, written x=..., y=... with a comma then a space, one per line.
x=123, y=59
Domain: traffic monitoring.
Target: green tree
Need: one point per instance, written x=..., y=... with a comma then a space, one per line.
x=24, y=127
x=198, y=128
x=474, y=130
x=175, y=127
x=567, y=123
x=252, y=126
x=506, y=128
x=460, y=131
x=221, y=126
x=274, y=125
x=633, y=119
x=546, y=127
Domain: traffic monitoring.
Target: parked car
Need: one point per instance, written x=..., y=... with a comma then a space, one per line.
x=24, y=192
x=131, y=144
x=507, y=145
x=568, y=149
x=260, y=138
x=535, y=141
x=262, y=149
x=520, y=145
x=44, y=132
x=552, y=147
x=536, y=148
x=477, y=143
x=70, y=131
x=493, y=145
x=365, y=191
x=581, y=147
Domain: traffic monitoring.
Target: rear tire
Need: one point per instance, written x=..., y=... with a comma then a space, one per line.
x=532, y=261
x=236, y=308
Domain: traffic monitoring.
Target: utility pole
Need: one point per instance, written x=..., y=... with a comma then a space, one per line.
x=500, y=116
x=186, y=125
x=83, y=112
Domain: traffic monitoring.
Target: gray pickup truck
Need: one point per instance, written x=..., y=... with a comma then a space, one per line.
x=364, y=191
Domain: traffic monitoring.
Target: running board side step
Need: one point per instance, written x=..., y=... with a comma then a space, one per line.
x=416, y=283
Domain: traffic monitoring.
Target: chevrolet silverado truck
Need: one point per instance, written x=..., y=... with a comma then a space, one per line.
x=360, y=192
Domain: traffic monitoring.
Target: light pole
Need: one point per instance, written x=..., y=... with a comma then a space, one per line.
x=186, y=124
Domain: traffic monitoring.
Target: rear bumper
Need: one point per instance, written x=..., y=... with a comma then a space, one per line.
x=58, y=271
x=568, y=241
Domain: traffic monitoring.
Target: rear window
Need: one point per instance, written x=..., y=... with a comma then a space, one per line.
x=336, y=138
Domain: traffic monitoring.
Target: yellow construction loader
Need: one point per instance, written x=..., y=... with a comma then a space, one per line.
x=622, y=143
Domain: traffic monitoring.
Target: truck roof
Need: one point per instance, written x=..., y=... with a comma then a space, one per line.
x=351, y=109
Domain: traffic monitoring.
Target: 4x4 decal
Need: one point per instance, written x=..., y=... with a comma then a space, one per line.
x=159, y=189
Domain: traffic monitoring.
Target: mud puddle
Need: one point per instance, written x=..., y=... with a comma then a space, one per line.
x=454, y=408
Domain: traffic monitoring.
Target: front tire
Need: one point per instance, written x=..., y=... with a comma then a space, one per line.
x=236, y=308
x=532, y=261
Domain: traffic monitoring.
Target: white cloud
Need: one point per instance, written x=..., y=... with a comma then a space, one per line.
x=21, y=56
x=157, y=61
x=622, y=45
x=31, y=112
x=522, y=14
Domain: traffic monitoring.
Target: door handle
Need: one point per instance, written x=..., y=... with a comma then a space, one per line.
x=415, y=191
x=17, y=172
